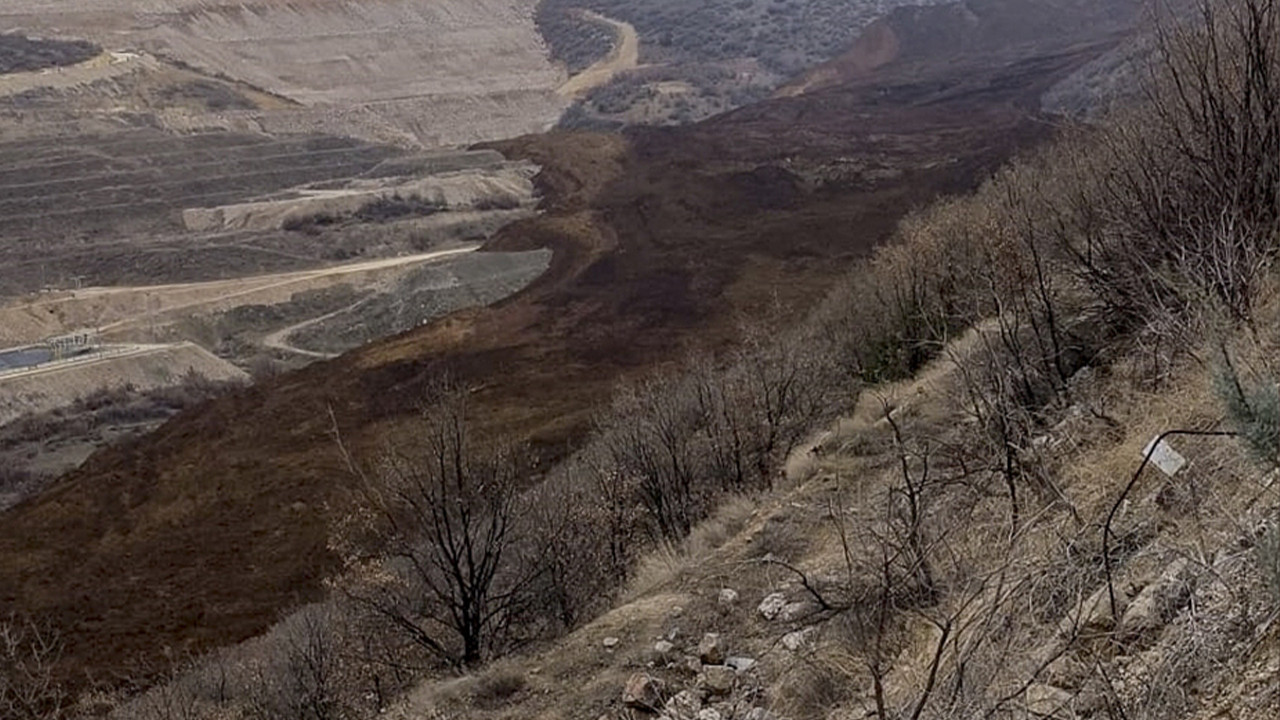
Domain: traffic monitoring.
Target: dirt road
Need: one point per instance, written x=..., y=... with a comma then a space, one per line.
x=279, y=340
x=625, y=56
x=112, y=309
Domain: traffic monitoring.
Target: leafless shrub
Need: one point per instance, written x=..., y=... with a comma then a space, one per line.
x=172, y=698
x=584, y=531
x=650, y=434
x=29, y=687
x=457, y=574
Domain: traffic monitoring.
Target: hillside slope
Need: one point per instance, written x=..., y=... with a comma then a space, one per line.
x=662, y=238
x=354, y=67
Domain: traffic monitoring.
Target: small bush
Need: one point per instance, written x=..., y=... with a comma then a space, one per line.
x=1267, y=554
x=1254, y=408
x=496, y=687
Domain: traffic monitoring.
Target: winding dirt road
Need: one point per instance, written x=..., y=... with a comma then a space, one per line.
x=279, y=340
x=625, y=56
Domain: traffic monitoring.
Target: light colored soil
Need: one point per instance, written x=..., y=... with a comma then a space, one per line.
x=119, y=310
x=105, y=66
x=406, y=71
x=145, y=367
x=625, y=56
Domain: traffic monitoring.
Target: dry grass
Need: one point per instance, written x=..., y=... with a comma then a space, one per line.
x=667, y=563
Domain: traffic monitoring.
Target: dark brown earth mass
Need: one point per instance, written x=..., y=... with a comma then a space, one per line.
x=202, y=533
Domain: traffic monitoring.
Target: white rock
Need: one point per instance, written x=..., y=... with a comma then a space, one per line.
x=1095, y=615
x=643, y=692
x=709, y=714
x=717, y=680
x=793, y=641
x=711, y=650
x=662, y=647
x=772, y=605
x=610, y=642
x=728, y=596
x=797, y=610
x=1158, y=601
x=741, y=664
x=1047, y=701
x=684, y=704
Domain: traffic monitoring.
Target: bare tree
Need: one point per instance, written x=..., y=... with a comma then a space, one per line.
x=457, y=574
x=29, y=686
x=651, y=434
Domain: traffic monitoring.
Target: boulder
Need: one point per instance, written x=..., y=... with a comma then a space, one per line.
x=717, y=680
x=684, y=705
x=643, y=692
x=772, y=605
x=797, y=610
x=793, y=641
x=1047, y=701
x=1158, y=602
x=1094, y=616
x=711, y=651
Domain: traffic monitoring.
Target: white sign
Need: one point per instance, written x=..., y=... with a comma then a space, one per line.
x=1169, y=461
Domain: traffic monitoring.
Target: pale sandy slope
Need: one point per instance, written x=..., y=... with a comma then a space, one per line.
x=439, y=69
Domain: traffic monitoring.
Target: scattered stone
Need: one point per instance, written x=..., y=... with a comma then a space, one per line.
x=643, y=692
x=711, y=650
x=1158, y=601
x=797, y=610
x=728, y=596
x=709, y=714
x=685, y=704
x=772, y=605
x=1094, y=616
x=1047, y=701
x=760, y=714
x=664, y=648
x=693, y=664
x=717, y=680
x=793, y=641
x=611, y=642
x=741, y=664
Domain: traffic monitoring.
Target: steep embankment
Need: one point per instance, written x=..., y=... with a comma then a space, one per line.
x=663, y=239
x=355, y=67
